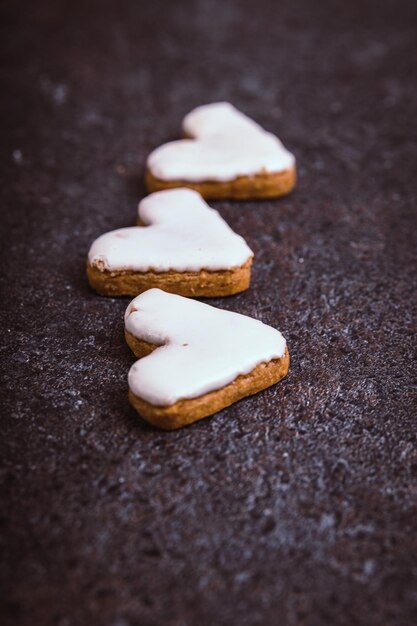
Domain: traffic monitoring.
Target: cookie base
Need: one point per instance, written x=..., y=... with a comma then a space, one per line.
x=187, y=411
x=205, y=283
x=264, y=185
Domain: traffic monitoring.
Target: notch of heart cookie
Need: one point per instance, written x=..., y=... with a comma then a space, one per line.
x=196, y=359
x=226, y=155
x=183, y=247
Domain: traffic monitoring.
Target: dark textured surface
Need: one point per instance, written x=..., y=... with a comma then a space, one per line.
x=297, y=506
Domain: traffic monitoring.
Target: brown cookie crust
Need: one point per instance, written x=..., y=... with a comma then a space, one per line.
x=187, y=411
x=190, y=284
x=263, y=185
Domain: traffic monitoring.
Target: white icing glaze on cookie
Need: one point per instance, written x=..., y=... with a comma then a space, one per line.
x=226, y=144
x=182, y=234
x=204, y=348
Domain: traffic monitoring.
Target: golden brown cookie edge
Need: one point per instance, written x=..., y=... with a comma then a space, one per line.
x=210, y=284
x=259, y=186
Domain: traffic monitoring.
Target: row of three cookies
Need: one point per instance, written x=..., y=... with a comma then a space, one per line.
x=211, y=357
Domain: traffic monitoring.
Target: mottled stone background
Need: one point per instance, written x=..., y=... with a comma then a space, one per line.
x=297, y=506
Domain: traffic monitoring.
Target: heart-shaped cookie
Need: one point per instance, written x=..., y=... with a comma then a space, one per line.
x=197, y=359
x=183, y=247
x=226, y=155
